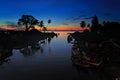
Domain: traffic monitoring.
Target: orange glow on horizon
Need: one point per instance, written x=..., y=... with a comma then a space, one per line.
x=58, y=27
x=66, y=27
x=6, y=28
x=11, y=28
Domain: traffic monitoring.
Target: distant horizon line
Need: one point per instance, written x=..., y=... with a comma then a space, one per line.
x=41, y=30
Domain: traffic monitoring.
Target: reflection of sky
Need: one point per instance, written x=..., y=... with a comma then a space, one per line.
x=60, y=11
x=57, y=52
x=58, y=48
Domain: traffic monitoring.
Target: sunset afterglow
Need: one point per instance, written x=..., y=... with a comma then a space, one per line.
x=59, y=40
x=64, y=14
x=51, y=28
x=66, y=27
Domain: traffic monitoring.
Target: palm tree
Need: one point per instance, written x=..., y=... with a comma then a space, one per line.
x=88, y=25
x=28, y=20
x=49, y=21
x=82, y=24
x=41, y=24
x=44, y=29
x=104, y=23
x=95, y=23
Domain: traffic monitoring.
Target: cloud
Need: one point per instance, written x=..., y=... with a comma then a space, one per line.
x=10, y=24
x=57, y=3
x=65, y=24
x=73, y=18
x=107, y=14
x=88, y=18
x=78, y=18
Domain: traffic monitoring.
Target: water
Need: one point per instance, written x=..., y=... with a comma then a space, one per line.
x=51, y=62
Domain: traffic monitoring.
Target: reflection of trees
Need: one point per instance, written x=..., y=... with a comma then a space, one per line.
x=49, y=39
x=69, y=38
x=27, y=42
x=33, y=47
x=31, y=50
x=26, y=51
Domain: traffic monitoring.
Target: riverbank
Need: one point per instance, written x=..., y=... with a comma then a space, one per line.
x=97, y=50
x=16, y=38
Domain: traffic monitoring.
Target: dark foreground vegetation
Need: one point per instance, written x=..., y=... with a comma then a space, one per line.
x=98, y=47
x=17, y=38
x=25, y=41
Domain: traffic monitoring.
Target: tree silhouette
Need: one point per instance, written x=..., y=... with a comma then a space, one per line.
x=88, y=25
x=49, y=21
x=95, y=23
x=41, y=24
x=44, y=29
x=28, y=20
x=104, y=23
x=82, y=24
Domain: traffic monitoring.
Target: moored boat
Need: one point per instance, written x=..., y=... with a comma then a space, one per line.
x=82, y=59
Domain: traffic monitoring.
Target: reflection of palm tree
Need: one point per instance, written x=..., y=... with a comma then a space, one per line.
x=26, y=51
x=69, y=38
x=49, y=40
x=41, y=49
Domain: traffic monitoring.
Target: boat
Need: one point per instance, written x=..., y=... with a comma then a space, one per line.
x=82, y=59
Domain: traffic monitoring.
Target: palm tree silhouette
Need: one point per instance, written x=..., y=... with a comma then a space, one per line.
x=82, y=24
x=49, y=21
x=41, y=25
x=95, y=23
x=44, y=29
x=88, y=25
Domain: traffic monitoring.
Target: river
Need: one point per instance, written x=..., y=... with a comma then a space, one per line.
x=51, y=62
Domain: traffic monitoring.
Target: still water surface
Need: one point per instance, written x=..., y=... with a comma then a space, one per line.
x=51, y=62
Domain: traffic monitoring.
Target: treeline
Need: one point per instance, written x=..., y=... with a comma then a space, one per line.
x=106, y=28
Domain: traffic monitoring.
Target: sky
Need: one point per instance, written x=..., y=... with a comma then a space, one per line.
x=63, y=13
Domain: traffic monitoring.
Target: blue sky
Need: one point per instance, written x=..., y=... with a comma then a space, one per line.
x=59, y=11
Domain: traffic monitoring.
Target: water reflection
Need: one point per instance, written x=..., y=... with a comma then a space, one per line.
x=38, y=46
x=49, y=58
x=26, y=48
